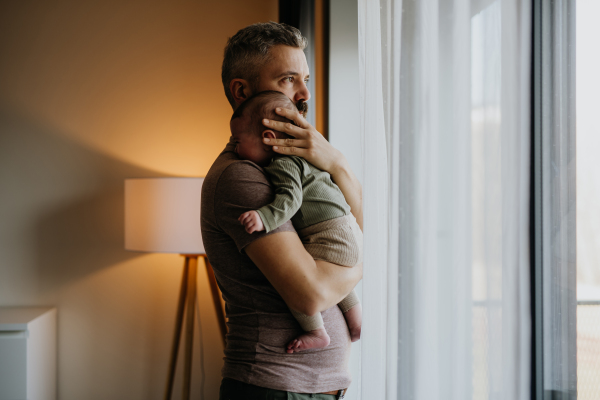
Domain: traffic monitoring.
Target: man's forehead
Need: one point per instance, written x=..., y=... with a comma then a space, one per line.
x=287, y=60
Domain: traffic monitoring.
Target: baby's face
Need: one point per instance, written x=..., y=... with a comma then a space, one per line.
x=249, y=145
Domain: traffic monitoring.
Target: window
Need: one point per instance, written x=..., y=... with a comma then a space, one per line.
x=554, y=200
x=588, y=200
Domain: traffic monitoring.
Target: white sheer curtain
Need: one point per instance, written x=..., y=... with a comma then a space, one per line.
x=444, y=105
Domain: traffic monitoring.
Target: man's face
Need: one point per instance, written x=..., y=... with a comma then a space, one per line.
x=286, y=72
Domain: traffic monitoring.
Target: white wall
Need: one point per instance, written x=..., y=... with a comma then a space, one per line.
x=343, y=111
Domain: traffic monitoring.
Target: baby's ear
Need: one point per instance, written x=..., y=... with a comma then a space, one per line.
x=267, y=133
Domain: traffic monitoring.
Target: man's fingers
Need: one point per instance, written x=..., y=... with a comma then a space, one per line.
x=293, y=115
x=286, y=127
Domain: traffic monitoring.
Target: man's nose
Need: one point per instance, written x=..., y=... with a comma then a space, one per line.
x=302, y=93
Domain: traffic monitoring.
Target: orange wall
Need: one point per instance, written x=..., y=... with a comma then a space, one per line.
x=91, y=93
x=138, y=81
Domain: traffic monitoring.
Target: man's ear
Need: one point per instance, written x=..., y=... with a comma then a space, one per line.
x=267, y=133
x=240, y=90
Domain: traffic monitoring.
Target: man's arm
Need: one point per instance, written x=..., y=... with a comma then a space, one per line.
x=348, y=183
x=305, y=285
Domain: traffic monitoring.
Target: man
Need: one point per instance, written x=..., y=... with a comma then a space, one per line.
x=253, y=269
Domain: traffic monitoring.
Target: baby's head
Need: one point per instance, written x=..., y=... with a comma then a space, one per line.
x=248, y=130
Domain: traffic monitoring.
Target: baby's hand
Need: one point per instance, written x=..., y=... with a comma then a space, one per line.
x=251, y=221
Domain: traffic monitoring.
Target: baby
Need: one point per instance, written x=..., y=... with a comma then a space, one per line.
x=307, y=196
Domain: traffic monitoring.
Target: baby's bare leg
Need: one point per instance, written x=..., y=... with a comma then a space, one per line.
x=354, y=321
x=352, y=310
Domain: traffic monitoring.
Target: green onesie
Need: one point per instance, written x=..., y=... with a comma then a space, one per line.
x=303, y=193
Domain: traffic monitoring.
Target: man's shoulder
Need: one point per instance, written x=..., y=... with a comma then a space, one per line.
x=232, y=187
x=230, y=178
x=228, y=168
x=234, y=181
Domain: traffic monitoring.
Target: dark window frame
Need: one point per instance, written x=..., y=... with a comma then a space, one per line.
x=553, y=235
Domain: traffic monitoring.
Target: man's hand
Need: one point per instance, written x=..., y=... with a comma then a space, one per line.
x=309, y=144
x=251, y=221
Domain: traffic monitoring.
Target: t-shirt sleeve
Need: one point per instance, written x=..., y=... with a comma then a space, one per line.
x=243, y=187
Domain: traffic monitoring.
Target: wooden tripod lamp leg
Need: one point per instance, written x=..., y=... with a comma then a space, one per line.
x=189, y=324
x=187, y=305
x=177, y=333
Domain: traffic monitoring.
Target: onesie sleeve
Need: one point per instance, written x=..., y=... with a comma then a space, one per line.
x=285, y=174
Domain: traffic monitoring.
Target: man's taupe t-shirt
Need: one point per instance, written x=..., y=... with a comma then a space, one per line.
x=260, y=323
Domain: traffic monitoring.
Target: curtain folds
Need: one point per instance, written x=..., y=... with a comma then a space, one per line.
x=444, y=107
x=376, y=208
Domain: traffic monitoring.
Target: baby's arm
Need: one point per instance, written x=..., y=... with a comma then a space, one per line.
x=285, y=174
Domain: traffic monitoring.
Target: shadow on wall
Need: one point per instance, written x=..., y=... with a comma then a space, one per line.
x=81, y=237
x=72, y=197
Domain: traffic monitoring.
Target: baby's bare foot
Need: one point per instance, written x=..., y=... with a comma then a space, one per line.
x=316, y=339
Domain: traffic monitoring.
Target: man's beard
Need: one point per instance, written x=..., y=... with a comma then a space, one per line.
x=302, y=107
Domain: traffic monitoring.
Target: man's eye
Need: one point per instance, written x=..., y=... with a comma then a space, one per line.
x=289, y=79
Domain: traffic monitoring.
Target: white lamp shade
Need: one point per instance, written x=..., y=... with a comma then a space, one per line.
x=162, y=215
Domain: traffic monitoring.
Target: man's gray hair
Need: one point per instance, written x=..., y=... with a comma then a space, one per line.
x=248, y=50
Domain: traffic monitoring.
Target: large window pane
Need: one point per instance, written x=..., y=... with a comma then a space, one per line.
x=588, y=201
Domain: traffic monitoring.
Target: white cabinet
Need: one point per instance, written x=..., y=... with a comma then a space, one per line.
x=27, y=353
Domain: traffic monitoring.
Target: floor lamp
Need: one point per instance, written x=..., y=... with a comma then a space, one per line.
x=162, y=215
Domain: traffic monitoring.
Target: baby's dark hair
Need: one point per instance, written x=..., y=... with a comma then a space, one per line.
x=262, y=105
